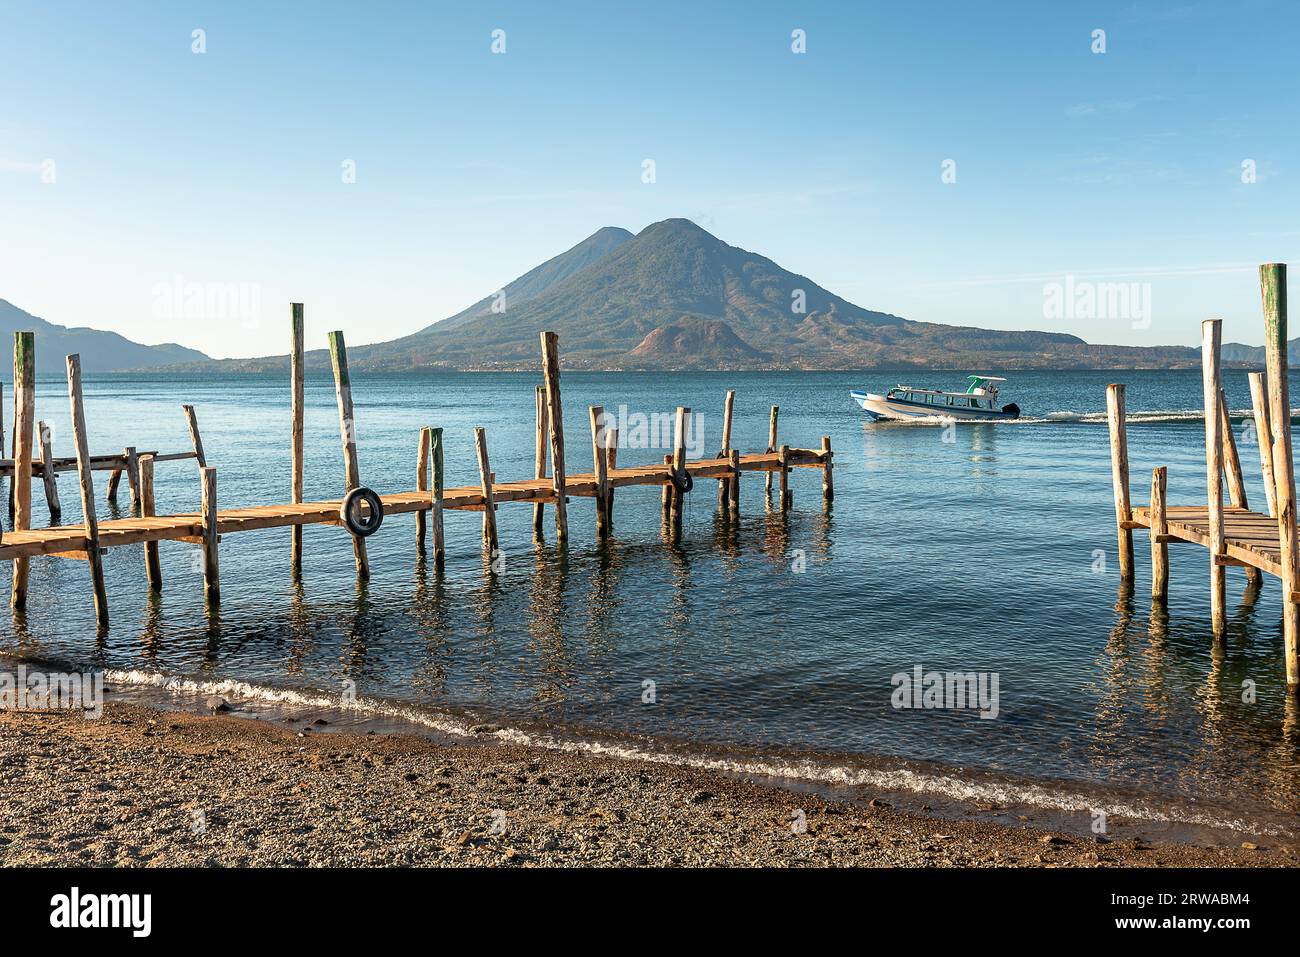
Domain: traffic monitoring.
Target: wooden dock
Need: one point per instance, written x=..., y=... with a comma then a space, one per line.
x=1233, y=534
x=361, y=511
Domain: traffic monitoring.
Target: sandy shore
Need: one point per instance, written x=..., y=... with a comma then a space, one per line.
x=142, y=787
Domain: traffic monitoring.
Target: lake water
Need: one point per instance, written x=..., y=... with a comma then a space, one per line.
x=987, y=548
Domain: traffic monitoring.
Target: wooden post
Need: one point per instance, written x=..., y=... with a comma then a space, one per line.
x=828, y=478
x=86, y=478
x=132, y=474
x=1115, y=414
x=435, y=511
x=786, y=495
x=666, y=496
x=551, y=373
x=1263, y=437
x=191, y=420
x=539, y=455
x=48, y=475
x=24, y=423
x=1272, y=282
x=148, y=509
x=114, y=480
x=348, y=434
x=771, y=447
x=678, y=501
x=1231, y=461
x=1210, y=340
x=297, y=406
x=598, y=439
x=734, y=484
x=611, y=463
x=422, y=485
x=725, y=453
x=1159, y=529
x=208, y=511
x=489, y=507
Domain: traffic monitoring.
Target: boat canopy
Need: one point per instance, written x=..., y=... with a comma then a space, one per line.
x=980, y=383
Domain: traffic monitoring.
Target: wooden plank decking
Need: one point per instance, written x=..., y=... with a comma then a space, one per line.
x=70, y=540
x=1251, y=538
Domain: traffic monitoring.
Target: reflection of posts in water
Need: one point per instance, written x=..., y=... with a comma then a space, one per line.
x=1156, y=657
x=546, y=609
x=600, y=603
x=151, y=633
x=679, y=607
x=1249, y=597
x=428, y=608
x=300, y=631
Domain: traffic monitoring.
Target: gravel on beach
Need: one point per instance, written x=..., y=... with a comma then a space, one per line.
x=141, y=787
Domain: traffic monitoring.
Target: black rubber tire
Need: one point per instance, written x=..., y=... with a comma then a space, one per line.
x=683, y=481
x=1013, y=409
x=351, y=515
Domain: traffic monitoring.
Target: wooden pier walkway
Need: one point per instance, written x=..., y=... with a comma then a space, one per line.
x=1233, y=534
x=361, y=511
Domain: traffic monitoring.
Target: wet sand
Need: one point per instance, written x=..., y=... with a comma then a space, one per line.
x=141, y=787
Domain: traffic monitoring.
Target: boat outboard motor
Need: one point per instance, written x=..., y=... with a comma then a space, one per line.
x=1012, y=409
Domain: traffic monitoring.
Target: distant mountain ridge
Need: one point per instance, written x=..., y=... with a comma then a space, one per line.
x=100, y=351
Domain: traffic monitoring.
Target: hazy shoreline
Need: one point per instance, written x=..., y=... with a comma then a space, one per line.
x=143, y=787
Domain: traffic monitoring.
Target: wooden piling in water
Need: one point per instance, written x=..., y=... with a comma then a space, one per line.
x=771, y=447
x=600, y=468
x=1115, y=415
x=539, y=455
x=114, y=480
x=196, y=440
x=148, y=509
x=1272, y=282
x=1263, y=437
x=348, y=435
x=132, y=474
x=677, y=501
x=297, y=407
x=611, y=463
x=208, y=511
x=727, y=405
x=435, y=512
x=422, y=484
x=828, y=478
x=786, y=496
x=24, y=423
x=1159, y=533
x=666, y=493
x=49, y=476
x=1231, y=461
x=733, y=485
x=555, y=416
x=1211, y=331
x=85, y=477
x=485, y=477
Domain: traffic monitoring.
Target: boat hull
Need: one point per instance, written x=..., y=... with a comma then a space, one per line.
x=880, y=407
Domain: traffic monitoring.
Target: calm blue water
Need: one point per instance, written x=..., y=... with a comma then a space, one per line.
x=992, y=552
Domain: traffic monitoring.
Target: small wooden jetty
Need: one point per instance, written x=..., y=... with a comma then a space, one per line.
x=1234, y=535
x=90, y=539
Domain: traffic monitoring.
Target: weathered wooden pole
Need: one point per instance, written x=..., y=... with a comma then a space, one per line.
x=601, y=468
x=208, y=511
x=828, y=477
x=132, y=474
x=555, y=414
x=734, y=484
x=24, y=424
x=48, y=476
x=680, y=425
x=1211, y=331
x=725, y=452
x=297, y=408
x=192, y=421
x=771, y=447
x=786, y=495
x=422, y=484
x=611, y=463
x=539, y=455
x=485, y=477
x=86, y=478
x=1159, y=531
x=1231, y=461
x=1263, y=437
x=148, y=509
x=666, y=495
x=1115, y=415
x=435, y=511
x=1272, y=283
x=348, y=434
x=114, y=480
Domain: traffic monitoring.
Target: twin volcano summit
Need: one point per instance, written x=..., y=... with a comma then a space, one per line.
x=674, y=296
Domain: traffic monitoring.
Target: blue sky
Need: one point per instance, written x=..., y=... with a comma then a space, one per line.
x=224, y=169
